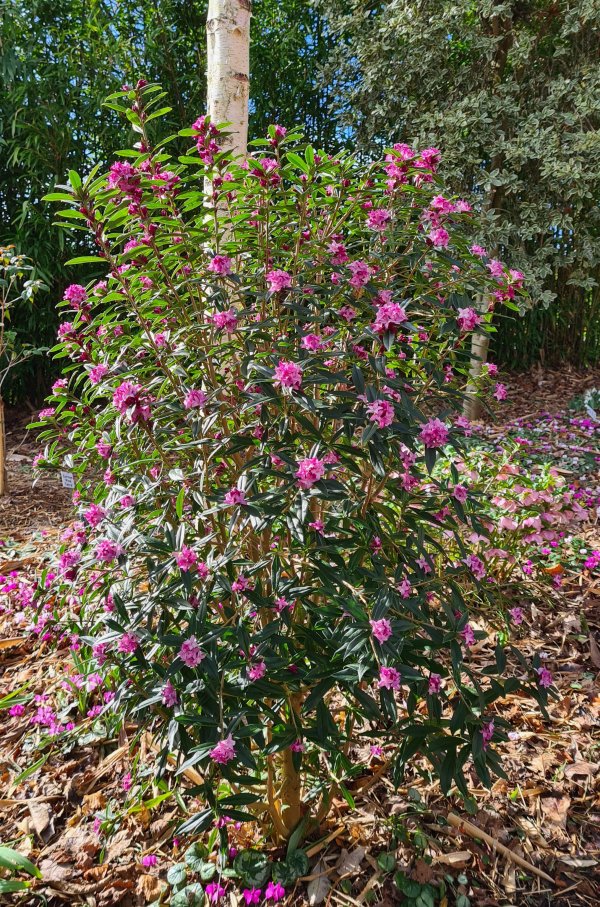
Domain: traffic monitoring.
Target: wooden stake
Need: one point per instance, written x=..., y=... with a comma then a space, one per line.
x=473, y=831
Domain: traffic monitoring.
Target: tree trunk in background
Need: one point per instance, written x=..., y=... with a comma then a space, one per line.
x=228, y=70
x=479, y=349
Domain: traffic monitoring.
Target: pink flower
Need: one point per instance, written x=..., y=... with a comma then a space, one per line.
x=297, y=746
x=75, y=294
x=434, y=433
x=516, y=615
x=94, y=515
x=288, y=374
x=194, y=399
x=468, y=319
x=439, y=237
x=310, y=471
x=59, y=386
x=104, y=449
x=388, y=318
x=338, y=253
x=435, y=684
x=126, y=781
x=360, y=274
x=544, y=677
x=128, y=643
x=126, y=501
x=190, y=652
x=468, y=635
x=381, y=412
x=17, y=710
x=220, y=264
x=252, y=895
x=500, y=392
x=278, y=280
x=476, y=565
x=312, y=342
x=496, y=268
x=186, y=559
x=257, y=671
x=235, y=497
x=224, y=751
x=317, y=526
x=107, y=551
x=378, y=218
x=225, y=321
x=274, y=892
x=460, y=493
x=169, y=694
x=479, y=251
x=382, y=629
x=97, y=373
x=127, y=399
x=214, y=891
x=487, y=733
x=388, y=678
x=149, y=859
x=491, y=369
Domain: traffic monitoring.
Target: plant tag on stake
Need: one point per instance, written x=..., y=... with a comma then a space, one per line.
x=67, y=479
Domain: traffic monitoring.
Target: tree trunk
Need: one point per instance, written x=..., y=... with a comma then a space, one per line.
x=228, y=71
x=479, y=349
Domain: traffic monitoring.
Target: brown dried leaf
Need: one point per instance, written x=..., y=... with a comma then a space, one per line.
x=456, y=859
x=581, y=769
x=556, y=809
x=41, y=820
x=349, y=861
x=149, y=888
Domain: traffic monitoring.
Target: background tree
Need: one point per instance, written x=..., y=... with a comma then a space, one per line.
x=510, y=92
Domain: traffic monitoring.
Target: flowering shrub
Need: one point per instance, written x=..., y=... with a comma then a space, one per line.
x=253, y=402
x=528, y=515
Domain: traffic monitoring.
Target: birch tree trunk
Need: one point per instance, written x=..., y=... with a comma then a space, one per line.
x=228, y=75
x=472, y=407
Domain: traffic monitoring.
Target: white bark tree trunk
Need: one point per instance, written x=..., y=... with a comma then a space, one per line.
x=228, y=75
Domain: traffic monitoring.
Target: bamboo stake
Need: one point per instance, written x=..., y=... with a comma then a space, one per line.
x=466, y=827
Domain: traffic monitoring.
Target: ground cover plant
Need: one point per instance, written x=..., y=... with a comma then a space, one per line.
x=252, y=403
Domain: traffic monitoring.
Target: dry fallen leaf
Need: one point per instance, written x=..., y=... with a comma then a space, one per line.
x=149, y=888
x=318, y=888
x=555, y=810
x=581, y=769
x=594, y=651
x=41, y=820
x=349, y=861
x=457, y=858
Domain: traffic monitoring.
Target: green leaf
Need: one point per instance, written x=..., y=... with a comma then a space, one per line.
x=190, y=896
x=84, y=259
x=291, y=869
x=17, y=862
x=75, y=179
x=10, y=887
x=177, y=874
x=195, y=855
x=253, y=867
